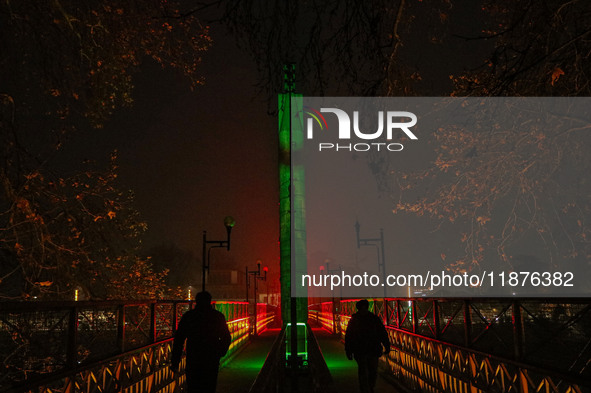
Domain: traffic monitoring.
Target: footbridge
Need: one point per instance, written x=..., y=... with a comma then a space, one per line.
x=438, y=345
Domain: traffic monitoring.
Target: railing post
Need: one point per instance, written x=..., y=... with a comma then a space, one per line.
x=72, y=354
x=174, y=317
x=436, y=323
x=152, y=359
x=467, y=324
x=337, y=316
x=415, y=320
x=334, y=321
x=121, y=328
x=518, y=333
x=398, y=314
x=153, y=322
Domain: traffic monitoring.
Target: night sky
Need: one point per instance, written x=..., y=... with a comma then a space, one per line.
x=194, y=157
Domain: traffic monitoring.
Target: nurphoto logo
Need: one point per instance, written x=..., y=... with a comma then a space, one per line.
x=395, y=121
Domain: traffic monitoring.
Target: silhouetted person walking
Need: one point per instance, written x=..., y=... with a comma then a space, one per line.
x=208, y=339
x=364, y=339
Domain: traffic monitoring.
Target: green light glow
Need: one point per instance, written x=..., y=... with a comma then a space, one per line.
x=290, y=136
x=302, y=332
x=284, y=204
x=334, y=354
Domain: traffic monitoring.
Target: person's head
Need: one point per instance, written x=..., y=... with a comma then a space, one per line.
x=362, y=305
x=203, y=299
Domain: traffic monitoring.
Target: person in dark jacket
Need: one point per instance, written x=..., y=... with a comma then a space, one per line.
x=208, y=339
x=366, y=340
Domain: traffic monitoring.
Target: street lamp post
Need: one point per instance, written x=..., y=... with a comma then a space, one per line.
x=256, y=275
x=229, y=223
x=264, y=278
x=330, y=271
x=381, y=260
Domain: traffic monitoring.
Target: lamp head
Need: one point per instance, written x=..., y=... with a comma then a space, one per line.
x=229, y=223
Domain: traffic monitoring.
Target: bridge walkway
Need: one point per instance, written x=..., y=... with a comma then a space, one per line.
x=238, y=375
x=343, y=370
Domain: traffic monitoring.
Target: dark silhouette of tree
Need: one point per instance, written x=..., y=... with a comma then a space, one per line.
x=66, y=65
x=339, y=47
x=540, y=49
x=521, y=183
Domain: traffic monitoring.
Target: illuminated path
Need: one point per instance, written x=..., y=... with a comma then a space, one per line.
x=343, y=371
x=239, y=374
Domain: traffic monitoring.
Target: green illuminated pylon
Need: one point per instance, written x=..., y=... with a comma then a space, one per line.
x=291, y=202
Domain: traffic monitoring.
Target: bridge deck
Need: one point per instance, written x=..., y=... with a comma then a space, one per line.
x=344, y=371
x=239, y=374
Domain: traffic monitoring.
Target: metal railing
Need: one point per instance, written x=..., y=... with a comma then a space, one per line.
x=504, y=345
x=82, y=346
x=323, y=315
x=272, y=374
x=265, y=316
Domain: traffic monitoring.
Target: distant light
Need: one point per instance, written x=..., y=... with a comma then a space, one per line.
x=229, y=222
x=189, y=294
x=75, y=295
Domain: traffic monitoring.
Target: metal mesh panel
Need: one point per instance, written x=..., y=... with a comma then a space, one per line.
x=32, y=343
x=137, y=326
x=164, y=316
x=491, y=327
x=97, y=334
x=451, y=321
x=557, y=333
